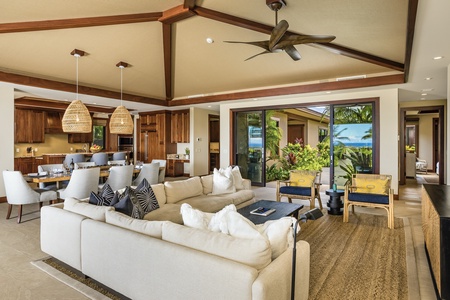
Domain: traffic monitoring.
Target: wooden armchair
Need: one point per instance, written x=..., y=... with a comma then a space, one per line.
x=301, y=185
x=370, y=190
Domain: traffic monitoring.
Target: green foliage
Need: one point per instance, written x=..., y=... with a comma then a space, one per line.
x=299, y=157
x=349, y=170
x=275, y=173
x=273, y=135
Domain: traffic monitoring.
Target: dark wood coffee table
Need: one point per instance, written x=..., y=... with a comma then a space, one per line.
x=282, y=209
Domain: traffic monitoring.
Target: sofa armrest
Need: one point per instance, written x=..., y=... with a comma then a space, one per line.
x=61, y=234
x=274, y=281
x=247, y=183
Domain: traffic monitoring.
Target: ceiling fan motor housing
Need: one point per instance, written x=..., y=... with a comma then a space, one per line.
x=276, y=5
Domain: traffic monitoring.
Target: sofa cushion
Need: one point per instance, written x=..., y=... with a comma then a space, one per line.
x=84, y=208
x=182, y=189
x=279, y=233
x=237, y=178
x=151, y=228
x=167, y=212
x=195, y=218
x=207, y=183
x=223, y=182
x=209, y=203
x=240, y=196
x=254, y=252
x=104, y=196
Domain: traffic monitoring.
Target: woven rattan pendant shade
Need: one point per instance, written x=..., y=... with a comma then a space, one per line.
x=77, y=118
x=121, y=121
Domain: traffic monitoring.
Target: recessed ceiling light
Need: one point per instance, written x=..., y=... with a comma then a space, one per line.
x=94, y=102
x=424, y=94
x=438, y=57
x=209, y=105
x=422, y=98
x=209, y=40
x=428, y=78
x=255, y=99
x=426, y=90
x=328, y=92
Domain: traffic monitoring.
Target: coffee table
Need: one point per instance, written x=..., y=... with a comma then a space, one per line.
x=282, y=209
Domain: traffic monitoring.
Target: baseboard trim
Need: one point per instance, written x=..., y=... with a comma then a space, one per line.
x=2, y=199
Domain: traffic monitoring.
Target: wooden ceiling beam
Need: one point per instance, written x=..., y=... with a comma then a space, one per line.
x=176, y=14
x=335, y=48
x=71, y=88
x=79, y=22
x=297, y=89
x=167, y=51
x=38, y=103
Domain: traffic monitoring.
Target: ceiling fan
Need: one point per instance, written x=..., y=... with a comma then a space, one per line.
x=280, y=40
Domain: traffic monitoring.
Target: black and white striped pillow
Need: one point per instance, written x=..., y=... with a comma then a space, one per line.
x=104, y=197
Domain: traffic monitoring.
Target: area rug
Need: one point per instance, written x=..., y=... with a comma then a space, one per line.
x=73, y=278
x=362, y=259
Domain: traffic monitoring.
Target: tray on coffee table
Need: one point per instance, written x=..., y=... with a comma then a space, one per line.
x=282, y=209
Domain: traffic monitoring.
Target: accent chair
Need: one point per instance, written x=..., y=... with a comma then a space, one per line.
x=302, y=184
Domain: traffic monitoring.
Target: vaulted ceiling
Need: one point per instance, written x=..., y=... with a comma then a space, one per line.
x=171, y=62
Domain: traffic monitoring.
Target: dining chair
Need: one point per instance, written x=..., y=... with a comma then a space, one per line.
x=119, y=177
x=149, y=172
x=116, y=163
x=84, y=165
x=49, y=168
x=162, y=173
x=77, y=157
x=18, y=192
x=100, y=159
x=81, y=184
x=119, y=155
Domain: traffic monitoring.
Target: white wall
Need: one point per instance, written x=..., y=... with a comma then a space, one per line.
x=312, y=132
x=7, y=129
x=199, y=140
x=388, y=123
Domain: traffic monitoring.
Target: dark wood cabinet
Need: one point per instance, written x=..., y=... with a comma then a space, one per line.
x=154, y=136
x=80, y=137
x=175, y=167
x=25, y=165
x=180, y=127
x=53, y=122
x=436, y=232
x=29, y=126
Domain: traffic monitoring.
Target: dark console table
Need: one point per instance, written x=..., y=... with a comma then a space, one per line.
x=335, y=203
x=436, y=232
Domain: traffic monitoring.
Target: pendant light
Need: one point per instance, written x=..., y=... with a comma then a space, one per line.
x=121, y=122
x=76, y=118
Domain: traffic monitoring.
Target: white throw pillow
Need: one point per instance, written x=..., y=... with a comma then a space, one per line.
x=279, y=233
x=223, y=182
x=195, y=218
x=237, y=177
x=214, y=224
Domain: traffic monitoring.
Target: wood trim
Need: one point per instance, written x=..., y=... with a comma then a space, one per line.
x=335, y=48
x=167, y=51
x=3, y=199
x=175, y=14
x=298, y=89
x=411, y=24
x=67, y=87
x=37, y=103
x=79, y=22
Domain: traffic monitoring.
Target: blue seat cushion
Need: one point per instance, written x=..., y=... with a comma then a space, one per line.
x=296, y=190
x=369, y=198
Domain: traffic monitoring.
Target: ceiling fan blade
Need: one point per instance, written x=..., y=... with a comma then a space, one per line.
x=297, y=39
x=293, y=53
x=261, y=44
x=265, y=52
x=277, y=33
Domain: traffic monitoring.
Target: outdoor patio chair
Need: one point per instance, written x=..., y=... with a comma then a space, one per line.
x=370, y=190
x=301, y=185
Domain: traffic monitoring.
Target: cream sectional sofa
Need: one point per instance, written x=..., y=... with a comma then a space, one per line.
x=195, y=191
x=163, y=260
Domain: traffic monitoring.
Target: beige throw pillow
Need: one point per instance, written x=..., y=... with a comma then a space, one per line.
x=237, y=178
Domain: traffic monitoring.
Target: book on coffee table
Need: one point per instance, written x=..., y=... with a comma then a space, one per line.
x=263, y=211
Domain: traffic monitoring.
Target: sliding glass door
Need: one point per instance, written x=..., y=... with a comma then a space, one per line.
x=249, y=143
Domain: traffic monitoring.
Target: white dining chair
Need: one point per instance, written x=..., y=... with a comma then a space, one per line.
x=81, y=184
x=116, y=163
x=162, y=173
x=100, y=159
x=18, y=192
x=76, y=157
x=149, y=172
x=119, y=177
x=49, y=168
x=84, y=165
x=119, y=156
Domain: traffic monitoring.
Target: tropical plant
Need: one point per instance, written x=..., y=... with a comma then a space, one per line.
x=299, y=157
x=349, y=170
x=273, y=135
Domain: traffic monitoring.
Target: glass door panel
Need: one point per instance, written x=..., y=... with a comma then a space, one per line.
x=352, y=141
x=249, y=145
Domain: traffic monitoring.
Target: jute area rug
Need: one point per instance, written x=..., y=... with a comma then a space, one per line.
x=362, y=259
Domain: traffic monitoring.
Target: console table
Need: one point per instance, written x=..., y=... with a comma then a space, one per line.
x=436, y=231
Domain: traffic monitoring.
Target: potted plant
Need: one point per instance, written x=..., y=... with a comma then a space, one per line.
x=187, y=151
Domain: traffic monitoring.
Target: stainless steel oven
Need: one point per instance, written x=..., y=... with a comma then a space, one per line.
x=125, y=143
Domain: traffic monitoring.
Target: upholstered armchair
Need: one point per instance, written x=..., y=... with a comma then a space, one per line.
x=301, y=185
x=370, y=190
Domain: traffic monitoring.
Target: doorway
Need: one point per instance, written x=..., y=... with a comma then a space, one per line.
x=214, y=142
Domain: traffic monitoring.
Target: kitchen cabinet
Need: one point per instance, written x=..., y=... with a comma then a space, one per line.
x=154, y=136
x=29, y=126
x=180, y=126
x=53, y=122
x=80, y=137
x=25, y=165
x=175, y=167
